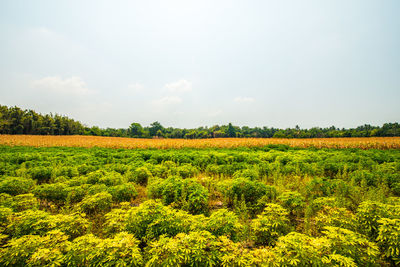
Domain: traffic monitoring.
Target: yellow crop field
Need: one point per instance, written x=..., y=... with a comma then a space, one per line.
x=132, y=143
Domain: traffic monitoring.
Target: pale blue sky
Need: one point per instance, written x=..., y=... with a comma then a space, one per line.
x=196, y=63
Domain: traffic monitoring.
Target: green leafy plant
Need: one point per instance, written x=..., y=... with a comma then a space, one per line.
x=89, y=250
x=389, y=239
x=224, y=222
x=100, y=202
x=16, y=185
x=123, y=192
x=333, y=216
x=184, y=193
x=140, y=175
x=271, y=224
x=35, y=250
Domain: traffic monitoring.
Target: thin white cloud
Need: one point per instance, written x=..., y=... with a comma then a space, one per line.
x=68, y=86
x=136, y=87
x=243, y=99
x=180, y=86
x=41, y=31
x=167, y=101
x=215, y=113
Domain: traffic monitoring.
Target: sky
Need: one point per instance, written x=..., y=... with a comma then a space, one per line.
x=191, y=63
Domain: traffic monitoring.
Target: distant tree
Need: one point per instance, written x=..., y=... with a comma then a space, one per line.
x=135, y=130
x=14, y=120
x=155, y=127
x=231, y=130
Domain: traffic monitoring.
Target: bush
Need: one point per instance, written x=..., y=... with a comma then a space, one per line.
x=40, y=173
x=389, y=239
x=353, y=245
x=193, y=249
x=197, y=197
x=271, y=224
x=186, y=194
x=35, y=250
x=85, y=169
x=333, y=216
x=16, y=185
x=5, y=214
x=73, y=225
x=140, y=175
x=338, y=247
x=111, y=179
x=56, y=193
x=252, y=191
x=224, y=222
x=90, y=250
x=29, y=222
x=270, y=196
x=151, y=220
x=39, y=223
x=320, y=202
x=360, y=177
x=295, y=249
x=250, y=174
x=319, y=187
x=82, y=250
x=97, y=203
x=123, y=192
x=96, y=188
x=75, y=194
x=201, y=248
x=186, y=171
x=292, y=201
x=24, y=202
x=115, y=221
x=67, y=171
x=367, y=217
x=169, y=190
x=105, y=177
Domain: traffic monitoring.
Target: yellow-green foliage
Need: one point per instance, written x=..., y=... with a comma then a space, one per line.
x=336, y=247
x=333, y=216
x=23, y=202
x=294, y=202
x=389, y=238
x=152, y=219
x=38, y=222
x=369, y=213
x=89, y=250
x=16, y=185
x=199, y=207
x=35, y=250
x=123, y=192
x=99, y=202
x=271, y=224
x=186, y=194
x=296, y=249
x=198, y=249
x=352, y=245
x=224, y=222
x=115, y=222
x=140, y=175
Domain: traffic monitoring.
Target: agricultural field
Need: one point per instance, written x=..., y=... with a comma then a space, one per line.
x=131, y=143
x=206, y=204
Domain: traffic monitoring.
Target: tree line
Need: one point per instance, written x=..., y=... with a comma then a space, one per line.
x=14, y=120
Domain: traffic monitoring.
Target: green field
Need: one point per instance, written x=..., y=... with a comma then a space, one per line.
x=268, y=206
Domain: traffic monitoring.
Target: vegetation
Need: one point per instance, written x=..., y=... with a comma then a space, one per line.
x=247, y=206
x=134, y=143
x=14, y=120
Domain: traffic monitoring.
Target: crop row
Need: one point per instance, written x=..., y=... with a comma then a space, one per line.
x=135, y=143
